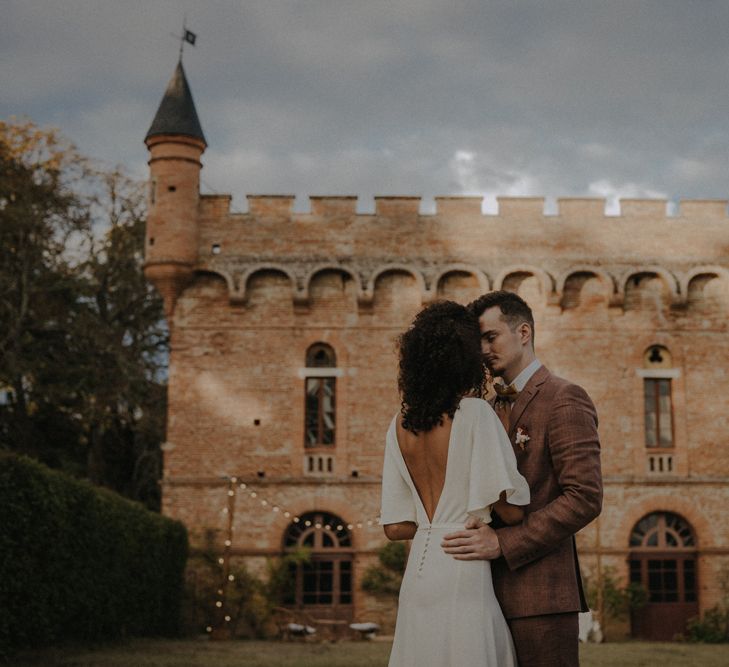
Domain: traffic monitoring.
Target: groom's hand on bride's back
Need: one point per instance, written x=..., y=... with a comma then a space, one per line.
x=477, y=542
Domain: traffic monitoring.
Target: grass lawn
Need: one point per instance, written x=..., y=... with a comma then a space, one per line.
x=200, y=653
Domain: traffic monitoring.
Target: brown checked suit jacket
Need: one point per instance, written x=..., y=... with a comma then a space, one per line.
x=539, y=572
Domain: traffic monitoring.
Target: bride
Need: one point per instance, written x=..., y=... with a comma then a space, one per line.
x=447, y=458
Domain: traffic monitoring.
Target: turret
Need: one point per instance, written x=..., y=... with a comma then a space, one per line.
x=176, y=143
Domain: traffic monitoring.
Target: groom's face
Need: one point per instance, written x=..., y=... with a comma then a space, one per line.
x=501, y=346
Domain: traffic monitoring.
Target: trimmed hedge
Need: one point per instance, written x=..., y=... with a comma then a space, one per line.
x=78, y=562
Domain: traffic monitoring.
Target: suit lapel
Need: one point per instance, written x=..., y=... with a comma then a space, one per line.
x=531, y=389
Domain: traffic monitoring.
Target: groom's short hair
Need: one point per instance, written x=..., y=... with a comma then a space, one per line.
x=513, y=308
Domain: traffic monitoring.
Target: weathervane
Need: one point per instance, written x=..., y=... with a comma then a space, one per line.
x=186, y=36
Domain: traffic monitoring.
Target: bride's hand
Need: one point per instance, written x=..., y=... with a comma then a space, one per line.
x=474, y=522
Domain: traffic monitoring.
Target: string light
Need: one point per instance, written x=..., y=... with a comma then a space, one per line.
x=276, y=509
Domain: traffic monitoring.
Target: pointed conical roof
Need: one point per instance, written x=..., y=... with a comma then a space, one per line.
x=176, y=113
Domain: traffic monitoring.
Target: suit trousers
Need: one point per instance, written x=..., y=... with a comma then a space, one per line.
x=546, y=641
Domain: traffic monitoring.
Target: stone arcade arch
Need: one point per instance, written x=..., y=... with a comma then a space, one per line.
x=663, y=561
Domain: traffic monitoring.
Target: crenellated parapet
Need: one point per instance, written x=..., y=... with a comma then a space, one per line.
x=623, y=253
x=509, y=208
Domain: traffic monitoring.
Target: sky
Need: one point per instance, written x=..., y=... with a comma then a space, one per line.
x=601, y=98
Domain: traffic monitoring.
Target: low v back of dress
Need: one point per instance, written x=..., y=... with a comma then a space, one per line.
x=428, y=466
x=448, y=613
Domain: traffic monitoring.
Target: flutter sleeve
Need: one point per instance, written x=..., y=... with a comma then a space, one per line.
x=398, y=503
x=493, y=466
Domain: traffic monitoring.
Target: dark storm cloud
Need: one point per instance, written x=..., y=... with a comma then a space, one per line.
x=406, y=96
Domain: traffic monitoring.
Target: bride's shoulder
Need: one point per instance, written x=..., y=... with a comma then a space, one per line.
x=475, y=406
x=473, y=400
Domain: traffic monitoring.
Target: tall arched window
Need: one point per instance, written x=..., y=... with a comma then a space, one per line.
x=324, y=583
x=658, y=373
x=663, y=562
x=321, y=388
x=657, y=398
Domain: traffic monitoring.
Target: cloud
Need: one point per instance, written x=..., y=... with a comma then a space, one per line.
x=614, y=193
x=475, y=174
x=422, y=97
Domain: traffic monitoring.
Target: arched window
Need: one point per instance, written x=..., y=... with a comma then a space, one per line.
x=663, y=562
x=320, y=355
x=325, y=581
x=321, y=387
x=657, y=398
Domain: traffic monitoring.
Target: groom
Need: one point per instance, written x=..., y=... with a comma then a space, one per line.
x=552, y=425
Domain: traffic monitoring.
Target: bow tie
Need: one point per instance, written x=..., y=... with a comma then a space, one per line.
x=505, y=392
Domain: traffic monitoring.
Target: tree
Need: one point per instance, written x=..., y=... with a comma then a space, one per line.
x=39, y=213
x=83, y=343
x=386, y=577
x=123, y=335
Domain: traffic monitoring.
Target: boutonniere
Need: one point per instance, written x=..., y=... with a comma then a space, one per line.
x=522, y=437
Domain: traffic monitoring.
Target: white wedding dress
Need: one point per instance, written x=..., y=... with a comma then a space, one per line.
x=448, y=614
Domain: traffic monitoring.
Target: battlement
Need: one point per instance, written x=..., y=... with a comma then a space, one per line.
x=509, y=208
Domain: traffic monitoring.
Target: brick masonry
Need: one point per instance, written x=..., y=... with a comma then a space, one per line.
x=262, y=286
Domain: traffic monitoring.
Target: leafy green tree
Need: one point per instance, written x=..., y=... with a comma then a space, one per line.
x=386, y=577
x=121, y=329
x=40, y=214
x=83, y=344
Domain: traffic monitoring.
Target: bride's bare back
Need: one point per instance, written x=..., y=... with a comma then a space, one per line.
x=426, y=457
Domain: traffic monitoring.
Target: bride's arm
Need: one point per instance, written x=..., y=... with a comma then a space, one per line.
x=509, y=514
x=405, y=530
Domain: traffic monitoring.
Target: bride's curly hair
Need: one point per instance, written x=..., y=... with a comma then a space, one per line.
x=440, y=362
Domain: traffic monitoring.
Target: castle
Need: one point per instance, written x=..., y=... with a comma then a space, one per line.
x=282, y=376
